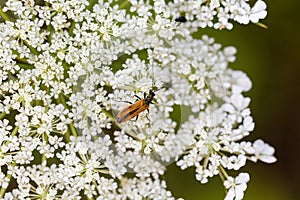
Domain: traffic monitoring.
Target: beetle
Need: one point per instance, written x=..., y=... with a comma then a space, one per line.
x=135, y=109
x=181, y=19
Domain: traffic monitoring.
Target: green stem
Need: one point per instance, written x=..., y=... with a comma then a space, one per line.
x=25, y=66
x=33, y=50
x=49, y=26
x=45, y=139
x=71, y=29
x=73, y=130
x=50, y=30
x=62, y=100
x=205, y=162
x=124, y=4
x=262, y=25
x=108, y=115
x=4, y=15
x=71, y=126
x=18, y=58
x=223, y=174
x=66, y=66
x=44, y=159
x=8, y=176
x=2, y=115
x=15, y=131
x=67, y=135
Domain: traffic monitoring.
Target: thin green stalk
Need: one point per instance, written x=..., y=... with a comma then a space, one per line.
x=45, y=139
x=8, y=176
x=262, y=25
x=25, y=66
x=62, y=100
x=67, y=135
x=205, y=162
x=33, y=50
x=223, y=174
x=71, y=29
x=71, y=126
x=73, y=130
x=4, y=15
x=108, y=115
x=50, y=30
x=15, y=131
x=2, y=115
x=44, y=159
x=18, y=58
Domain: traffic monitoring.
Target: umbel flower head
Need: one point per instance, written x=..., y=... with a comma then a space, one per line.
x=68, y=67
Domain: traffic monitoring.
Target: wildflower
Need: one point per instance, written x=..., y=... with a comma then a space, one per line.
x=236, y=186
x=263, y=152
x=66, y=68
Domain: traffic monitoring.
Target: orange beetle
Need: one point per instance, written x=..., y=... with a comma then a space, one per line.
x=135, y=109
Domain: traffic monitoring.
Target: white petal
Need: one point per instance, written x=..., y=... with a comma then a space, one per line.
x=258, y=11
x=259, y=6
x=243, y=178
x=267, y=159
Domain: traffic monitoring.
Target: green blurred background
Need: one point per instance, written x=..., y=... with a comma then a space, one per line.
x=271, y=58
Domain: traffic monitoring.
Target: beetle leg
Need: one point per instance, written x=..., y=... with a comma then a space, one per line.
x=137, y=97
x=128, y=102
x=148, y=114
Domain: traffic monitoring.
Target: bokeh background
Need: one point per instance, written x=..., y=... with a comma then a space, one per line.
x=271, y=58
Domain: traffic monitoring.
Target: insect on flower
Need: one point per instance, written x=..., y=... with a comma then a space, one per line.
x=135, y=109
x=181, y=19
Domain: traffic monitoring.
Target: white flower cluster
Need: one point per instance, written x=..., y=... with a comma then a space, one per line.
x=66, y=68
x=218, y=14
